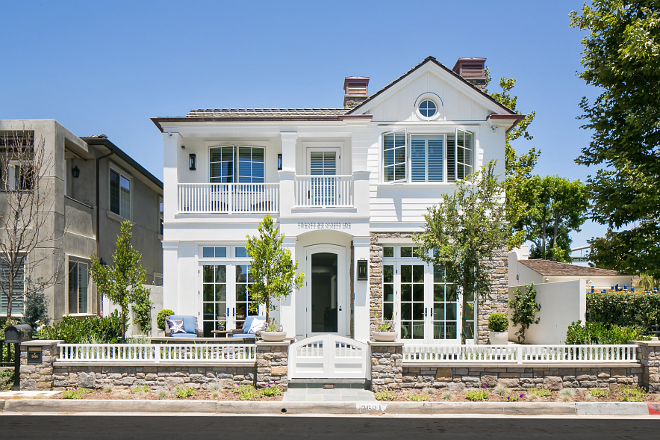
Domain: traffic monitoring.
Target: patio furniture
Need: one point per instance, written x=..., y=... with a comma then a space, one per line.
x=189, y=325
x=246, y=331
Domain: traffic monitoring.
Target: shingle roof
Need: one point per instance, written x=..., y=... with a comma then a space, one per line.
x=264, y=112
x=553, y=268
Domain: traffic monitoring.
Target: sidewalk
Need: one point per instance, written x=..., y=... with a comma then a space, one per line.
x=40, y=406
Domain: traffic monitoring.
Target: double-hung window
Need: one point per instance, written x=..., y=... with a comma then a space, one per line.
x=424, y=158
x=78, y=287
x=18, y=287
x=120, y=194
x=236, y=164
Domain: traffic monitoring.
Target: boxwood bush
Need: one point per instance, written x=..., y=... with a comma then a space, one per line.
x=599, y=333
x=498, y=322
x=624, y=309
x=91, y=329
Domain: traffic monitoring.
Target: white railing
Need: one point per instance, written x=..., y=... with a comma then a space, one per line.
x=323, y=191
x=148, y=353
x=229, y=198
x=519, y=353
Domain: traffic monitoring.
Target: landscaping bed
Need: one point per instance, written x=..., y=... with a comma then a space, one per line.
x=242, y=392
x=616, y=394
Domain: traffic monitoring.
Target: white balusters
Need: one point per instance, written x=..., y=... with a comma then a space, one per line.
x=323, y=191
x=147, y=353
x=228, y=198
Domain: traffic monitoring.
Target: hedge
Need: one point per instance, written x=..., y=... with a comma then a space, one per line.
x=624, y=309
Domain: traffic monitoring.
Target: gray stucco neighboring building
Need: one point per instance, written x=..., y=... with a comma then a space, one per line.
x=95, y=186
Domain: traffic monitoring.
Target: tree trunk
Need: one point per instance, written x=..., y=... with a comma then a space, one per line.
x=123, y=324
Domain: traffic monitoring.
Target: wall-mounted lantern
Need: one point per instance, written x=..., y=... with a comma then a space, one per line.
x=75, y=172
x=362, y=270
x=192, y=161
x=279, y=162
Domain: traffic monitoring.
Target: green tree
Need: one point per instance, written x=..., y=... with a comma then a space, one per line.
x=124, y=282
x=621, y=57
x=557, y=207
x=524, y=308
x=464, y=230
x=518, y=167
x=272, y=270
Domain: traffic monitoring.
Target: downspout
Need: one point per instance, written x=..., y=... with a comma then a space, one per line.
x=98, y=214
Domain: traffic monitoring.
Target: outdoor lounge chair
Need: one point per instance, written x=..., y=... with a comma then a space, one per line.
x=244, y=332
x=189, y=325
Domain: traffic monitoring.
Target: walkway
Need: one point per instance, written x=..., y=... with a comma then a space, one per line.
x=324, y=395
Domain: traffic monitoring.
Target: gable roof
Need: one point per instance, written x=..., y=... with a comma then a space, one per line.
x=442, y=66
x=553, y=268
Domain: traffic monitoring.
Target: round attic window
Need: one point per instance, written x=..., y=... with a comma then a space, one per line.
x=428, y=108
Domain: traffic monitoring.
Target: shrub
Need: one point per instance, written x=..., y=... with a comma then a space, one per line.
x=513, y=397
x=6, y=379
x=418, y=398
x=498, y=322
x=140, y=389
x=160, y=318
x=385, y=395
x=36, y=309
x=161, y=394
x=623, y=308
x=524, y=309
x=599, y=333
x=599, y=392
x=183, y=392
x=246, y=392
x=632, y=394
x=541, y=392
x=271, y=389
x=89, y=329
x=477, y=394
x=447, y=396
x=76, y=393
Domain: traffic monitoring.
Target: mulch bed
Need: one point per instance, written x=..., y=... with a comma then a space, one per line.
x=154, y=395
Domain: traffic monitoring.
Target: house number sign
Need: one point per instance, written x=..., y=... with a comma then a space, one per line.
x=34, y=355
x=324, y=225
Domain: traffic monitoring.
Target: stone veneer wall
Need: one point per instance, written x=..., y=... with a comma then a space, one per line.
x=498, y=270
x=648, y=352
x=386, y=365
x=551, y=377
x=270, y=366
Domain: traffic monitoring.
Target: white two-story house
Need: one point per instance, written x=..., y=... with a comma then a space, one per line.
x=348, y=187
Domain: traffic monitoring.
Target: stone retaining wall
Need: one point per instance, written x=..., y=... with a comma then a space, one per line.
x=648, y=352
x=551, y=377
x=270, y=366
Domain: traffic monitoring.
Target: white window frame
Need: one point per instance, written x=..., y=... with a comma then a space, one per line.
x=337, y=151
x=235, y=161
x=472, y=153
x=130, y=191
x=426, y=159
x=22, y=298
x=68, y=286
x=405, y=162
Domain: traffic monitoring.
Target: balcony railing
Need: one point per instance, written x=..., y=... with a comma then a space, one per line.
x=229, y=198
x=323, y=191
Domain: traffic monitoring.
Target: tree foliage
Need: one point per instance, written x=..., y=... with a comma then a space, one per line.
x=464, y=230
x=557, y=207
x=621, y=57
x=272, y=270
x=518, y=167
x=124, y=282
x=524, y=308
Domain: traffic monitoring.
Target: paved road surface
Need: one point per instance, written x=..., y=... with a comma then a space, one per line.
x=13, y=427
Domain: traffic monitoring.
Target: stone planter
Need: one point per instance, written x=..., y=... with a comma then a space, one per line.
x=384, y=336
x=498, y=338
x=273, y=336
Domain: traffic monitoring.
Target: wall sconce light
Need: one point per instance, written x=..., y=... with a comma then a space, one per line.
x=192, y=159
x=279, y=162
x=75, y=172
x=362, y=270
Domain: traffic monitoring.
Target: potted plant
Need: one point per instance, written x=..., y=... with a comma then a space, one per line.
x=273, y=332
x=385, y=331
x=498, y=324
x=273, y=272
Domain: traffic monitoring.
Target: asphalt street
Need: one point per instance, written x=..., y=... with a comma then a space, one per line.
x=68, y=427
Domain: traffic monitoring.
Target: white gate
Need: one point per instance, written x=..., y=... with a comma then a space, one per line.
x=329, y=357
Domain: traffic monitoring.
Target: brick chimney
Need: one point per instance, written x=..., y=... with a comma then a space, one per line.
x=355, y=90
x=473, y=70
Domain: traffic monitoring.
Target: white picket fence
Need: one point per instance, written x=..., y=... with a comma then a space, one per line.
x=519, y=354
x=154, y=353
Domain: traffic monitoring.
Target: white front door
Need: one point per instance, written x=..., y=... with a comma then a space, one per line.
x=326, y=285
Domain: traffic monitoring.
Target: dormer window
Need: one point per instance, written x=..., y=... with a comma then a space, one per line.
x=428, y=108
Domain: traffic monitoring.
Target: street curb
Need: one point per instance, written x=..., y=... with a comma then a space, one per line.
x=324, y=408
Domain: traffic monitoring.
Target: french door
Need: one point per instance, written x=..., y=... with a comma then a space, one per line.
x=423, y=305
x=323, y=167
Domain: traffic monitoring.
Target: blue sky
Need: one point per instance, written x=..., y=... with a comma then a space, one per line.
x=109, y=66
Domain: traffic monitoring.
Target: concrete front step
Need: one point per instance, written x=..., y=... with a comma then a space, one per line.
x=361, y=384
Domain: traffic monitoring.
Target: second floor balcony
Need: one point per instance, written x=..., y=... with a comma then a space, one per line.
x=309, y=191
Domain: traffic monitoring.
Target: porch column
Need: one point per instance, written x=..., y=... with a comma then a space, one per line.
x=287, y=174
x=287, y=308
x=386, y=365
x=272, y=363
x=648, y=353
x=361, y=327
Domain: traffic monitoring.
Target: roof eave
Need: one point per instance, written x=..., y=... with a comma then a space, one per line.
x=158, y=121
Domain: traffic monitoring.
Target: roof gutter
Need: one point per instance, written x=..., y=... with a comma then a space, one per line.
x=98, y=219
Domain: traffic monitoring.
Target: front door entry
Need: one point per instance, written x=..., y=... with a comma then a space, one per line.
x=326, y=291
